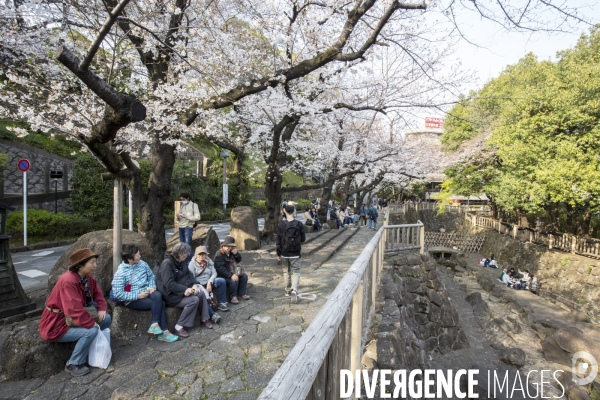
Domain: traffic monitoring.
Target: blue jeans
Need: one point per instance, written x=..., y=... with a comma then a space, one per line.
x=237, y=288
x=373, y=222
x=155, y=303
x=84, y=338
x=185, y=236
x=221, y=286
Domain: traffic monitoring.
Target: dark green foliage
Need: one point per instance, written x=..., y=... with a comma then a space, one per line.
x=91, y=197
x=42, y=224
x=213, y=214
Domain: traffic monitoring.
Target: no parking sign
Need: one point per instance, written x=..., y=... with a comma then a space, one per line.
x=23, y=165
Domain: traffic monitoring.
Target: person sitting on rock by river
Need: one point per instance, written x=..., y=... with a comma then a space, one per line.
x=178, y=287
x=226, y=264
x=134, y=285
x=507, y=280
x=77, y=296
x=204, y=270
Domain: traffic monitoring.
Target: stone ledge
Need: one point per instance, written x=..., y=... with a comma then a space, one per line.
x=128, y=323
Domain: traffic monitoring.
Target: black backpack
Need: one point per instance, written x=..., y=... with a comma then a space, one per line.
x=292, y=237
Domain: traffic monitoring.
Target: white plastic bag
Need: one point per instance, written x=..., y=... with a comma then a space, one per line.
x=100, y=352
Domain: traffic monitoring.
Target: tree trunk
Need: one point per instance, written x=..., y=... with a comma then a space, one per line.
x=274, y=198
x=152, y=225
x=325, y=196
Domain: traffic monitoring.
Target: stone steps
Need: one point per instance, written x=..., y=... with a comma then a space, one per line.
x=319, y=242
x=329, y=249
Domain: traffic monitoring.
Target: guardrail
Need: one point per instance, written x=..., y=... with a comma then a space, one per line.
x=554, y=240
x=335, y=339
x=462, y=209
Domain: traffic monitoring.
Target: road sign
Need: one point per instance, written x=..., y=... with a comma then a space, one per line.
x=23, y=165
x=436, y=123
x=225, y=193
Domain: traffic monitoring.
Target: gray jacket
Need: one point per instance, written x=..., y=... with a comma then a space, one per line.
x=203, y=275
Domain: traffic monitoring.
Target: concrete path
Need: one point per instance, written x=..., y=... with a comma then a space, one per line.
x=235, y=360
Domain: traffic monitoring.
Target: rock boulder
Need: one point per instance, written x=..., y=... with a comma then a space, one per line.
x=513, y=356
x=24, y=355
x=244, y=228
x=100, y=242
x=128, y=323
x=203, y=235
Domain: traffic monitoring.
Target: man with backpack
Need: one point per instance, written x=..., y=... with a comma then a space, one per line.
x=372, y=214
x=290, y=235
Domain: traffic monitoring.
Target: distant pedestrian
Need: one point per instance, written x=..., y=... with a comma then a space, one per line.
x=290, y=235
x=363, y=215
x=188, y=217
x=373, y=215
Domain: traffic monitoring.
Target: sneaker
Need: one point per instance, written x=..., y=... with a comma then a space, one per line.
x=223, y=307
x=155, y=329
x=245, y=297
x=182, y=333
x=216, y=318
x=77, y=370
x=287, y=294
x=234, y=300
x=167, y=336
x=294, y=296
x=207, y=324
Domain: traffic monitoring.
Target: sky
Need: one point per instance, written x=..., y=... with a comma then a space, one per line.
x=499, y=48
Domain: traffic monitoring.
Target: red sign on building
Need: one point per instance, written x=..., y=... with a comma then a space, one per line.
x=431, y=122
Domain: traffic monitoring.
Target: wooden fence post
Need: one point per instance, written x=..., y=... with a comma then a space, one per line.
x=117, y=222
x=356, y=333
x=176, y=222
x=573, y=244
x=515, y=229
x=422, y=238
x=500, y=225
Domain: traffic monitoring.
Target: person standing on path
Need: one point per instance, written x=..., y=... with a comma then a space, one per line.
x=363, y=215
x=188, y=216
x=290, y=235
x=372, y=214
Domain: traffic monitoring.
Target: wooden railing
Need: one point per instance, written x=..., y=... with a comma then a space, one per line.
x=462, y=209
x=336, y=338
x=405, y=237
x=554, y=240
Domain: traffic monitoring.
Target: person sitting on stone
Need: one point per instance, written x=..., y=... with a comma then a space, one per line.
x=308, y=219
x=347, y=217
x=507, y=280
x=534, y=283
x=488, y=261
x=75, y=290
x=333, y=216
x=502, y=275
x=178, y=287
x=526, y=279
x=226, y=261
x=135, y=286
x=204, y=270
x=317, y=224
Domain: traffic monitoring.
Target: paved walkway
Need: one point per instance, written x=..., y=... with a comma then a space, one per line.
x=235, y=360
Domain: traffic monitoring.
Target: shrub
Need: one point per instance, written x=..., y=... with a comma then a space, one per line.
x=92, y=197
x=42, y=224
x=302, y=204
x=260, y=206
x=213, y=214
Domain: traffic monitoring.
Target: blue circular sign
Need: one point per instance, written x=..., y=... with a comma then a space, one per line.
x=23, y=165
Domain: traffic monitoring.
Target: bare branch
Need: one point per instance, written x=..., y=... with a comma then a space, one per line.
x=112, y=18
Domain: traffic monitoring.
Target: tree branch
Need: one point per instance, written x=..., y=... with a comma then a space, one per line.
x=124, y=105
x=112, y=18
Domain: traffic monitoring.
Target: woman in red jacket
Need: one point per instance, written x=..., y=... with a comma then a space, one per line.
x=74, y=290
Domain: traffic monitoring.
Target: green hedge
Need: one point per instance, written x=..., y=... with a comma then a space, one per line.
x=42, y=224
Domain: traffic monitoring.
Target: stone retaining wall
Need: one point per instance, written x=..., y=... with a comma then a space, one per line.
x=38, y=177
x=419, y=323
x=573, y=277
x=449, y=221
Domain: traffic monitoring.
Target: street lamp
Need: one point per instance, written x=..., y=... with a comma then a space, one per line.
x=56, y=175
x=224, y=154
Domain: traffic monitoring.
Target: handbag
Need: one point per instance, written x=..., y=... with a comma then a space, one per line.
x=212, y=299
x=100, y=352
x=308, y=222
x=239, y=269
x=92, y=310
